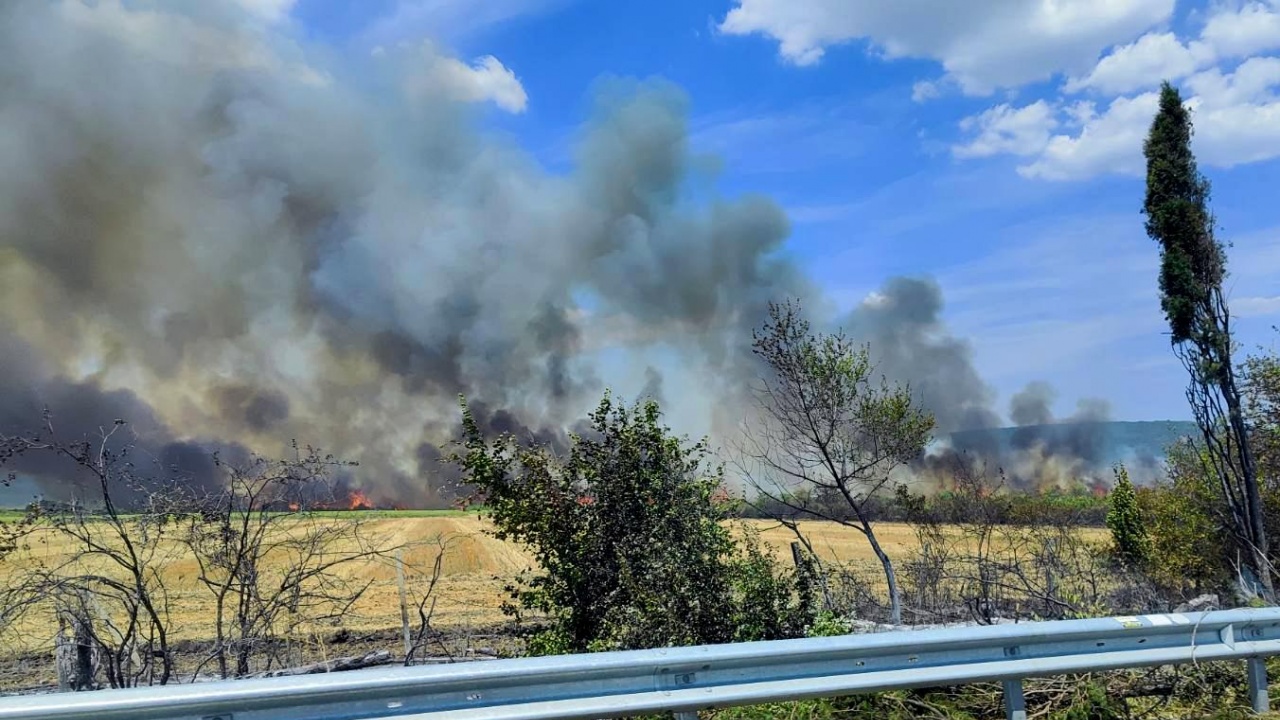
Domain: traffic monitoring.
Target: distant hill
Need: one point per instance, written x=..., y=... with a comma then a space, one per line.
x=1106, y=442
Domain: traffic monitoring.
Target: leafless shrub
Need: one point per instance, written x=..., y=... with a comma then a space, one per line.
x=272, y=560
x=276, y=566
x=424, y=634
x=986, y=563
x=109, y=589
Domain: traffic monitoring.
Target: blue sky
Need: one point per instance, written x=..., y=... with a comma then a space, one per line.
x=997, y=149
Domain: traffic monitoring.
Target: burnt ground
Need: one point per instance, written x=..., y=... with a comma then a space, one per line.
x=35, y=672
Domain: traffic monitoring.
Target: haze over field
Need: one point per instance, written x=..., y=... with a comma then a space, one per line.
x=235, y=223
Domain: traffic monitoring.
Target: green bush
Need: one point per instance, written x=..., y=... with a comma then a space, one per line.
x=1189, y=542
x=629, y=540
x=1132, y=544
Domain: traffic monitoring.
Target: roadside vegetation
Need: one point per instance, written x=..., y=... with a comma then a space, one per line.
x=631, y=538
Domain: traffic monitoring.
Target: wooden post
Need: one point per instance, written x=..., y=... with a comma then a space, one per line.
x=404, y=603
x=73, y=654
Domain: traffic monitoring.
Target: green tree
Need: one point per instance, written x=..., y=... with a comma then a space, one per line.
x=1186, y=521
x=1262, y=413
x=1124, y=519
x=1192, y=267
x=826, y=425
x=629, y=540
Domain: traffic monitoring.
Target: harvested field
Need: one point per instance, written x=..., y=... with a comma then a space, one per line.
x=474, y=568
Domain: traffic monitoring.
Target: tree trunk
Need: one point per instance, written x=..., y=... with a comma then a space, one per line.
x=1260, y=550
x=1256, y=530
x=74, y=656
x=895, y=596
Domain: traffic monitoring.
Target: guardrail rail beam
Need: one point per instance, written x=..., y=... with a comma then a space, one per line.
x=684, y=680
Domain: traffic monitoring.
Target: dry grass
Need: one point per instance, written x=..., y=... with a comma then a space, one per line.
x=475, y=567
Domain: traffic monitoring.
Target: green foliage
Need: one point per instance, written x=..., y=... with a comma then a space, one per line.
x=819, y=709
x=1262, y=411
x=1189, y=549
x=829, y=427
x=1192, y=267
x=1191, y=260
x=824, y=394
x=1124, y=519
x=1091, y=702
x=766, y=605
x=828, y=624
x=627, y=535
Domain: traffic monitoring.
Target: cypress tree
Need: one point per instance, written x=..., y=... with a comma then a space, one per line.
x=1192, y=267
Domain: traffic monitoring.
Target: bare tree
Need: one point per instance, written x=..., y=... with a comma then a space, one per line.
x=108, y=590
x=827, y=428
x=271, y=562
x=426, y=608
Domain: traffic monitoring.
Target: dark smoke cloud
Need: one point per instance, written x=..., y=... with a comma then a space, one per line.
x=257, y=409
x=197, y=208
x=652, y=389
x=910, y=343
x=209, y=230
x=902, y=323
x=84, y=411
x=1081, y=435
x=1031, y=405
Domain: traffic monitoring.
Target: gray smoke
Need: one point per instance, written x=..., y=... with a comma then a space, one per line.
x=1080, y=435
x=199, y=209
x=1031, y=405
x=652, y=389
x=209, y=229
x=910, y=343
x=84, y=411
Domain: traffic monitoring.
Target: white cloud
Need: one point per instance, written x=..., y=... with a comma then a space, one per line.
x=448, y=20
x=1005, y=129
x=982, y=46
x=485, y=80
x=1236, y=109
x=1143, y=64
x=488, y=79
x=925, y=90
x=1251, y=82
x=1255, y=306
x=1107, y=143
x=1248, y=29
x=269, y=10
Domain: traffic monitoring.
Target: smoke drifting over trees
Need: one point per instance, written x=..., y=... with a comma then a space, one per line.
x=211, y=233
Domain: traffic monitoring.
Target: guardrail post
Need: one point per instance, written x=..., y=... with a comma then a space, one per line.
x=1015, y=705
x=1258, y=698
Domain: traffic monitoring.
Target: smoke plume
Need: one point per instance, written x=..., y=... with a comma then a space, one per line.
x=209, y=229
x=217, y=235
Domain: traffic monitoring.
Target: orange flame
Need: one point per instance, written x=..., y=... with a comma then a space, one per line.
x=359, y=501
x=294, y=507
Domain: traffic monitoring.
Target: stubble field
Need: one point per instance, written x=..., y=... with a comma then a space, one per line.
x=474, y=567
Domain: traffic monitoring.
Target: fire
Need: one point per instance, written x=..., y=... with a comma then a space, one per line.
x=294, y=507
x=357, y=500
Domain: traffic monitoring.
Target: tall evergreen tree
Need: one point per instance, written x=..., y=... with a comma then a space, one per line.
x=1192, y=267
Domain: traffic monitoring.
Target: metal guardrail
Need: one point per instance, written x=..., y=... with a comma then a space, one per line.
x=684, y=680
